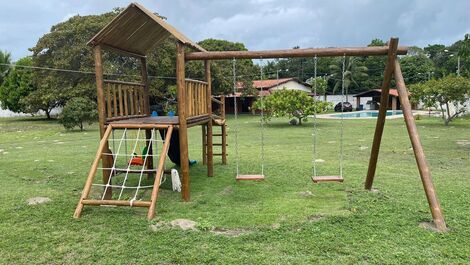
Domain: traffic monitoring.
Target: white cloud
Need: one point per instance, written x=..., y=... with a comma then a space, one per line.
x=260, y=24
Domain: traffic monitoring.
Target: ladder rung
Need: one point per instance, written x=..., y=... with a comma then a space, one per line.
x=219, y=154
x=217, y=134
x=217, y=144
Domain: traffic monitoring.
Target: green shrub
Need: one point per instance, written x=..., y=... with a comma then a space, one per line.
x=78, y=111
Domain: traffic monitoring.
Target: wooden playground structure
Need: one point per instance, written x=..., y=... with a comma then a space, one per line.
x=125, y=106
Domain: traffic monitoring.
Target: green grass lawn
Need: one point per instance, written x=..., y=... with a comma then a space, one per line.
x=285, y=219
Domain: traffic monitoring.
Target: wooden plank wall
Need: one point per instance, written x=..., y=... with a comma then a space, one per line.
x=196, y=97
x=124, y=100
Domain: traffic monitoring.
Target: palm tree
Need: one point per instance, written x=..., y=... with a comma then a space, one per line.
x=5, y=60
x=352, y=71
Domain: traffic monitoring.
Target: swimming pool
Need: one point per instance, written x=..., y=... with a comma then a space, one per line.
x=366, y=114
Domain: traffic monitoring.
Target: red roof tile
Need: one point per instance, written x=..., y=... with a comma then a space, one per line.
x=266, y=84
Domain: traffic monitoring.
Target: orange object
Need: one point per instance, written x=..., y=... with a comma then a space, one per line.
x=137, y=161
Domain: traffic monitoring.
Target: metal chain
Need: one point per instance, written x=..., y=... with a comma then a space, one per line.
x=342, y=122
x=262, y=118
x=237, y=158
x=314, y=133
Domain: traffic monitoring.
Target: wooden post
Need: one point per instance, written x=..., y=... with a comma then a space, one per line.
x=379, y=128
x=106, y=160
x=204, y=144
x=210, y=151
x=423, y=167
x=91, y=174
x=292, y=53
x=148, y=132
x=160, y=169
x=183, y=128
x=224, y=131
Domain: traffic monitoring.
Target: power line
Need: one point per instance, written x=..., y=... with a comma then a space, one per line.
x=80, y=72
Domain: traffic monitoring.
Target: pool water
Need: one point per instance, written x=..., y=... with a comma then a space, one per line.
x=367, y=114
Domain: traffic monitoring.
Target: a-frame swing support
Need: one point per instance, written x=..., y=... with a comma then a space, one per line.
x=392, y=69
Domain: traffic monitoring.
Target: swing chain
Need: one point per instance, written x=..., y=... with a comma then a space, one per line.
x=237, y=158
x=262, y=117
x=314, y=133
x=342, y=119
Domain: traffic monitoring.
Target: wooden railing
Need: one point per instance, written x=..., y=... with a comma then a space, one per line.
x=220, y=110
x=196, y=98
x=124, y=100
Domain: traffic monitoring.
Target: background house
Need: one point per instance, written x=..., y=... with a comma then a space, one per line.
x=375, y=94
x=263, y=87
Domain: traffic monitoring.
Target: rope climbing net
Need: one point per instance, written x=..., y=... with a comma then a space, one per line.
x=131, y=154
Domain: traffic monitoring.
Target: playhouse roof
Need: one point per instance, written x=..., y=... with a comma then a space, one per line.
x=136, y=30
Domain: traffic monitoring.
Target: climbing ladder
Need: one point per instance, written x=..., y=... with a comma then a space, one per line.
x=122, y=182
x=218, y=120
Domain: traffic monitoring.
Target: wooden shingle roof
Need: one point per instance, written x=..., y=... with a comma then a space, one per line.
x=137, y=30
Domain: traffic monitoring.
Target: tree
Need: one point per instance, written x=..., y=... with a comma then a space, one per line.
x=222, y=70
x=319, y=84
x=65, y=47
x=291, y=103
x=417, y=68
x=422, y=93
x=78, y=111
x=5, y=60
x=17, y=85
x=352, y=71
x=444, y=92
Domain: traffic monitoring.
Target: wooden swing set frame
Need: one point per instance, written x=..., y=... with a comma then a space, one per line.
x=138, y=26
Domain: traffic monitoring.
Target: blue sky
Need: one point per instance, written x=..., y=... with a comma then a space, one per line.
x=260, y=24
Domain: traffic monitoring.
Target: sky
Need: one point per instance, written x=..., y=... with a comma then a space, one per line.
x=259, y=24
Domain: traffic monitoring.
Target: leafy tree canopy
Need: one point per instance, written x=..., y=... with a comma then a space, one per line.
x=443, y=92
x=17, y=85
x=5, y=60
x=291, y=103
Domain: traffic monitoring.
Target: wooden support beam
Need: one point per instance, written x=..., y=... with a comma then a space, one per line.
x=107, y=161
x=208, y=94
x=123, y=82
x=148, y=132
x=117, y=203
x=310, y=52
x=158, y=176
x=183, y=128
x=374, y=154
x=423, y=167
x=86, y=190
x=204, y=144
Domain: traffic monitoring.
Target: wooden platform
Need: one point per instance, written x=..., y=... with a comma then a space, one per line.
x=164, y=120
x=319, y=179
x=250, y=177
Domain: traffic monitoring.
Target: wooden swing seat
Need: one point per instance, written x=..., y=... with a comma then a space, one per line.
x=319, y=179
x=250, y=177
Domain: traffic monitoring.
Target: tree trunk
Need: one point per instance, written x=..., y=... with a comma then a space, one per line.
x=449, y=118
x=443, y=112
x=48, y=114
x=81, y=126
x=300, y=121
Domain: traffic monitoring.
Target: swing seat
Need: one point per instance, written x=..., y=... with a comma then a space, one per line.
x=319, y=179
x=250, y=177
